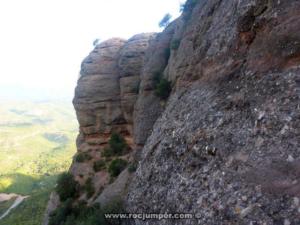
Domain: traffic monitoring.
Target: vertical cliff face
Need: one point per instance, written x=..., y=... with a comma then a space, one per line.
x=148, y=106
x=225, y=144
x=104, y=101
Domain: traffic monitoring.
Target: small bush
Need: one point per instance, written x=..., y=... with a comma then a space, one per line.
x=96, y=42
x=167, y=54
x=99, y=165
x=66, y=186
x=81, y=214
x=117, y=144
x=116, y=167
x=175, y=44
x=89, y=187
x=187, y=8
x=82, y=157
x=165, y=21
x=132, y=167
x=188, y=5
x=157, y=75
x=61, y=213
x=163, y=88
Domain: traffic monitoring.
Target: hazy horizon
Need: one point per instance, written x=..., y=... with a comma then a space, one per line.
x=43, y=42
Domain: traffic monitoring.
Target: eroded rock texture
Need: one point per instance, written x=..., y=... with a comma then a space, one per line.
x=225, y=145
x=104, y=99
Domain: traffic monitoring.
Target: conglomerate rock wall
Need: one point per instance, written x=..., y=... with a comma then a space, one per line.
x=225, y=145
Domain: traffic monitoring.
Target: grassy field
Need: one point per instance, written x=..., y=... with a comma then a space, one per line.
x=37, y=142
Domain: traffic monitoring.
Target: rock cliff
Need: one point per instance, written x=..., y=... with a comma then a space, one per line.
x=104, y=101
x=225, y=145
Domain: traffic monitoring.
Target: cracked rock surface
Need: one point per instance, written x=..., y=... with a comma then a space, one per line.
x=226, y=144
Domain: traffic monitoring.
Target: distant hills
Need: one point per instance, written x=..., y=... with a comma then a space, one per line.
x=23, y=93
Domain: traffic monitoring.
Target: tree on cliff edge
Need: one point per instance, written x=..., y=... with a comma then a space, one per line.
x=165, y=21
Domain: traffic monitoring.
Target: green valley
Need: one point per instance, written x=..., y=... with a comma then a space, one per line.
x=37, y=142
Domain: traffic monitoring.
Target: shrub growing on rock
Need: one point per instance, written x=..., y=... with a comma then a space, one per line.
x=66, y=186
x=187, y=8
x=116, y=167
x=61, y=213
x=157, y=75
x=165, y=21
x=163, y=88
x=188, y=5
x=162, y=85
x=81, y=214
x=167, y=54
x=117, y=146
x=99, y=165
x=82, y=157
x=96, y=42
x=89, y=187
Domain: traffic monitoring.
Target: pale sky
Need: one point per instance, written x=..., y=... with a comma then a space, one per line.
x=42, y=42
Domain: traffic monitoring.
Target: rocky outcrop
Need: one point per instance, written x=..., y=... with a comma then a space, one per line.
x=97, y=105
x=104, y=100
x=225, y=145
x=131, y=63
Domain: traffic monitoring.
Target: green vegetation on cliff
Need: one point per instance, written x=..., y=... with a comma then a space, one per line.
x=116, y=146
x=162, y=86
x=66, y=186
x=116, y=167
x=80, y=214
